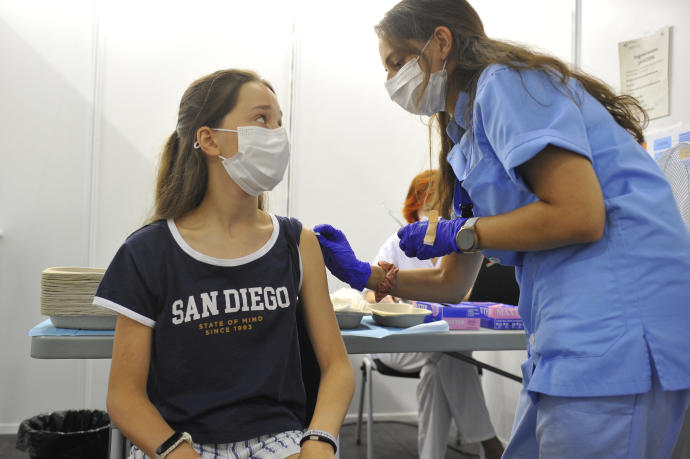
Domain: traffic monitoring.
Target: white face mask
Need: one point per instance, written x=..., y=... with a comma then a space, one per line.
x=404, y=88
x=261, y=159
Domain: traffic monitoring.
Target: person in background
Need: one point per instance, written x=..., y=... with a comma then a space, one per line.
x=448, y=388
x=543, y=166
x=206, y=358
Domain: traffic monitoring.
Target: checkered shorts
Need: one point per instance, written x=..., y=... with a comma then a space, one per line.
x=278, y=446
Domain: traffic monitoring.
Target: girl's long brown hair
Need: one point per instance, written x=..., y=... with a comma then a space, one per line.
x=472, y=52
x=183, y=172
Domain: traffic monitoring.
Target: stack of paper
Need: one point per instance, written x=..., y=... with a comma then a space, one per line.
x=67, y=298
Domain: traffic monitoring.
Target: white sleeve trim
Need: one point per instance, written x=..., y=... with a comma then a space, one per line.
x=97, y=300
x=299, y=255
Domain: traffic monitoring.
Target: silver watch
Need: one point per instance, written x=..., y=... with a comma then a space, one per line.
x=466, y=239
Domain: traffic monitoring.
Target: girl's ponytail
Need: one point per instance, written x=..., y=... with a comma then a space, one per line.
x=163, y=181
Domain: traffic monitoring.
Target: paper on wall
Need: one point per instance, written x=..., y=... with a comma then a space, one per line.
x=644, y=64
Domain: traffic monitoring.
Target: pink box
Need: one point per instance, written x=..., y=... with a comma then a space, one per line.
x=500, y=311
x=463, y=323
x=462, y=316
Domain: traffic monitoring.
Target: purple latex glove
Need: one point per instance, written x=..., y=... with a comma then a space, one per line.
x=412, y=238
x=340, y=258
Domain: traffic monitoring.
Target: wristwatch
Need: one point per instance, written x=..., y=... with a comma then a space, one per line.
x=171, y=443
x=466, y=239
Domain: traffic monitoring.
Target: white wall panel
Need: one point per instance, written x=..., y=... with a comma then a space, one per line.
x=90, y=91
x=354, y=149
x=605, y=24
x=44, y=188
x=544, y=25
x=152, y=51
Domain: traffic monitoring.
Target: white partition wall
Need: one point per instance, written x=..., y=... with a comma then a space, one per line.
x=605, y=24
x=90, y=91
x=354, y=149
x=45, y=123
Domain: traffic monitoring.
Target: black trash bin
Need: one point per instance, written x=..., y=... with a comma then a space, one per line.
x=73, y=434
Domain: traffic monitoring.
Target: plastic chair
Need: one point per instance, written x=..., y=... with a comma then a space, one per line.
x=119, y=445
x=494, y=283
x=368, y=366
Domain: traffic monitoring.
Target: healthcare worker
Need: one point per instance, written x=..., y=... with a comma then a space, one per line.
x=448, y=388
x=548, y=161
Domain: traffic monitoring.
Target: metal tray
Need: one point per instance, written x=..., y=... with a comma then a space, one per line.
x=401, y=321
x=348, y=319
x=85, y=322
x=399, y=315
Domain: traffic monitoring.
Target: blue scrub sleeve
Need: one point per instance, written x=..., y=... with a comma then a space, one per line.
x=520, y=113
x=124, y=288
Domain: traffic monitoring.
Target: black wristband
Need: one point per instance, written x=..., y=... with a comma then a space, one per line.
x=319, y=435
x=173, y=442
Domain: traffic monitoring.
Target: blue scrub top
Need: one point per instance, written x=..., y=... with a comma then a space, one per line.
x=597, y=315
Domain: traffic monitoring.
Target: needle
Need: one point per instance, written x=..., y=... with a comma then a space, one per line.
x=390, y=212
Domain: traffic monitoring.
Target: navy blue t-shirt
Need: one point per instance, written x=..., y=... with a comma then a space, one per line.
x=225, y=363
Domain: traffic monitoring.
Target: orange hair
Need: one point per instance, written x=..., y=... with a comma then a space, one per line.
x=421, y=192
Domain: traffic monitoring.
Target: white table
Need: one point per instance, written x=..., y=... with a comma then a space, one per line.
x=454, y=341
x=101, y=346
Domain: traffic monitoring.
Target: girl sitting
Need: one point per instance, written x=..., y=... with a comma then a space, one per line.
x=206, y=358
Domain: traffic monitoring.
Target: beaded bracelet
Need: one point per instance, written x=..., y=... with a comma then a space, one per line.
x=319, y=435
x=388, y=283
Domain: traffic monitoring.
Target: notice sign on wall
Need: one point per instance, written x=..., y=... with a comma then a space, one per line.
x=644, y=64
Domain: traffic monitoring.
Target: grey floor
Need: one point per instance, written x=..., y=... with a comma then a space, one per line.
x=7, y=449
x=393, y=440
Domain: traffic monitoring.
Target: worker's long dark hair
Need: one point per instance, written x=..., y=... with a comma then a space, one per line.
x=472, y=52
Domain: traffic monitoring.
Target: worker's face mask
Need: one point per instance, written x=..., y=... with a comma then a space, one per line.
x=261, y=159
x=404, y=88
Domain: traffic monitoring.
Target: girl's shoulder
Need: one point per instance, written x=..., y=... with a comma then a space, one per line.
x=291, y=227
x=148, y=231
x=149, y=238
